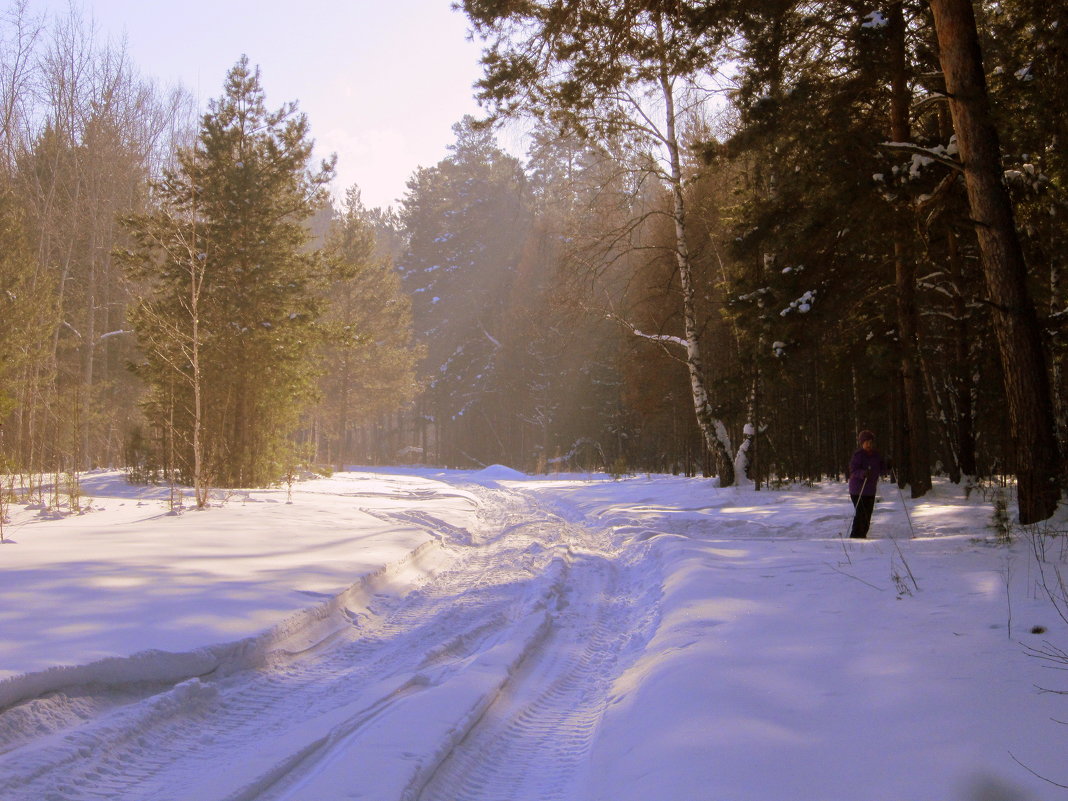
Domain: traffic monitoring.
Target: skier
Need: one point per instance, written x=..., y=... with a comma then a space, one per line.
x=864, y=470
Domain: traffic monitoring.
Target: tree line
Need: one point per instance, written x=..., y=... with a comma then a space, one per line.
x=741, y=232
x=181, y=296
x=745, y=231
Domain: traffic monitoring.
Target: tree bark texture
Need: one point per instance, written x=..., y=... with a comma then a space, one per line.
x=1027, y=384
x=712, y=430
x=916, y=429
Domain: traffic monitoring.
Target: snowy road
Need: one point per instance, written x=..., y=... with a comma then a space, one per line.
x=415, y=634
x=476, y=668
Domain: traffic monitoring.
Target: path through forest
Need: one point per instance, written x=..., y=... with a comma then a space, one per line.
x=486, y=661
x=415, y=634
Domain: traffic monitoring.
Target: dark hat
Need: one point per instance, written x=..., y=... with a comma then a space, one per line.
x=864, y=436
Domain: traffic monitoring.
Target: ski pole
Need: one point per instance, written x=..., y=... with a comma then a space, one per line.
x=841, y=535
x=893, y=539
x=904, y=506
x=856, y=503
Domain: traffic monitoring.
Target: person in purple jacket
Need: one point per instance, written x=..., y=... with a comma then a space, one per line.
x=864, y=470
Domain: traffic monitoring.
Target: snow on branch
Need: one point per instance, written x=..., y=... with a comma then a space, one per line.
x=874, y=20
x=674, y=340
x=661, y=338
x=802, y=304
x=928, y=100
x=938, y=154
x=496, y=342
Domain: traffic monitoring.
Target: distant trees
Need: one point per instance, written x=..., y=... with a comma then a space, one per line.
x=369, y=360
x=826, y=251
x=27, y=311
x=516, y=369
x=119, y=217
x=80, y=132
x=467, y=219
x=866, y=230
x=627, y=72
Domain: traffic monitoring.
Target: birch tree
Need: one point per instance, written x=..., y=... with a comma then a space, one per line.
x=169, y=252
x=611, y=69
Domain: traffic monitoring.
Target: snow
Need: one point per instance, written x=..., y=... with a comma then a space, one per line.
x=874, y=20
x=917, y=164
x=412, y=633
x=497, y=472
x=802, y=304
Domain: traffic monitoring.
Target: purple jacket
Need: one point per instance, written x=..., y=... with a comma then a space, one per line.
x=864, y=471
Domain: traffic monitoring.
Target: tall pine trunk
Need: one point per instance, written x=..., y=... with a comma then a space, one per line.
x=1027, y=384
x=961, y=370
x=918, y=468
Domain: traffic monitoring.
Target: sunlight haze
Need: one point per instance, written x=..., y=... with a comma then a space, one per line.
x=381, y=83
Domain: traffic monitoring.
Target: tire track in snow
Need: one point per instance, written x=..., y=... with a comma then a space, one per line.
x=258, y=733
x=533, y=741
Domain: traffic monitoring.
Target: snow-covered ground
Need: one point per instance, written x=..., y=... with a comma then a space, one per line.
x=465, y=636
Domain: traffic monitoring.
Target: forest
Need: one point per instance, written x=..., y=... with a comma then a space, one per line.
x=740, y=233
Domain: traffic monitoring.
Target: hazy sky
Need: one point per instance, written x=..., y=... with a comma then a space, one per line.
x=382, y=81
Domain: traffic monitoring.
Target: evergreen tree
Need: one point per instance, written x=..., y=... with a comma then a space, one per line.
x=1025, y=50
x=1023, y=359
x=836, y=222
x=466, y=219
x=239, y=199
x=369, y=357
x=571, y=352
x=27, y=313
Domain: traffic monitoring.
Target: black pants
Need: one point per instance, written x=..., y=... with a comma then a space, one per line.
x=864, y=505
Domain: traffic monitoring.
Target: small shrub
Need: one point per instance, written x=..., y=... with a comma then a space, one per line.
x=1000, y=517
x=141, y=457
x=618, y=469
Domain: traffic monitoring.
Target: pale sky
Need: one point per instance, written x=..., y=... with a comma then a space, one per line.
x=381, y=81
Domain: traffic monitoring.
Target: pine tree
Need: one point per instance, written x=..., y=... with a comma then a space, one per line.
x=1025, y=51
x=239, y=199
x=467, y=218
x=1026, y=375
x=368, y=351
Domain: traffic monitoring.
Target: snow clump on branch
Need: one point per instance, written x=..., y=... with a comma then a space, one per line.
x=802, y=304
x=874, y=20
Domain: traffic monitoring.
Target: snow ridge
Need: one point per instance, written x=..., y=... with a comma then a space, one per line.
x=301, y=630
x=428, y=657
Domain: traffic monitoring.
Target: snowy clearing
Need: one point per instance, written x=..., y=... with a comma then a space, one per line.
x=462, y=636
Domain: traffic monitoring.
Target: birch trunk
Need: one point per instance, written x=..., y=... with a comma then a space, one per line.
x=712, y=430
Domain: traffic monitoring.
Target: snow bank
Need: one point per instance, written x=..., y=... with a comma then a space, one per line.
x=298, y=632
x=128, y=592
x=498, y=472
